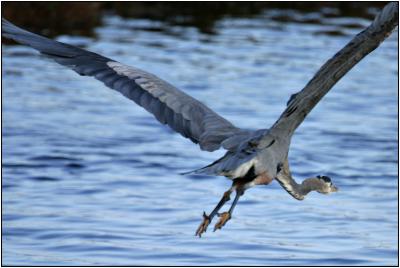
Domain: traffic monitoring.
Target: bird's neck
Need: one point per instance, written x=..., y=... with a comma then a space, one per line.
x=292, y=187
x=310, y=184
x=299, y=191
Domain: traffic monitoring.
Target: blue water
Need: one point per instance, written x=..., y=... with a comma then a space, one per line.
x=90, y=178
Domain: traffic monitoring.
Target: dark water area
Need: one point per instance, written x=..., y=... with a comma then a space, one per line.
x=81, y=18
x=90, y=178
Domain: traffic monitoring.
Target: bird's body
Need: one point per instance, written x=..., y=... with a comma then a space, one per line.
x=253, y=157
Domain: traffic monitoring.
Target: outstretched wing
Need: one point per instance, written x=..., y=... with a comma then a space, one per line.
x=184, y=114
x=301, y=103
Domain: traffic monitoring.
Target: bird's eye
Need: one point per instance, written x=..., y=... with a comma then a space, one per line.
x=326, y=178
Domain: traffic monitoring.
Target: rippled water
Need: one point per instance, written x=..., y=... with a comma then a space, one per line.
x=90, y=178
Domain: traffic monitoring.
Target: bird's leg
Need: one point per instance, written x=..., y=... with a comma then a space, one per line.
x=226, y=216
x=207, y=219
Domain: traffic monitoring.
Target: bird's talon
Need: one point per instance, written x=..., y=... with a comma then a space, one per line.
x=204, y=224
x=224, y=217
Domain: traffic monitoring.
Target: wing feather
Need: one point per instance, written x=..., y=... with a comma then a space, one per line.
x=301, y=103
x=184, y=114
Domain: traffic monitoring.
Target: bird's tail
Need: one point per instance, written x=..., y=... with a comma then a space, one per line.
x=192, y=172
x=207, y=170
x=200, y=171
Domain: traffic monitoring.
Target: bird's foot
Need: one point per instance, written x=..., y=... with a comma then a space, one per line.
x=224, y=217
x=203, y=226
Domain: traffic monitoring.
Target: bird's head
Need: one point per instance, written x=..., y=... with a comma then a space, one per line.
x=326, y=185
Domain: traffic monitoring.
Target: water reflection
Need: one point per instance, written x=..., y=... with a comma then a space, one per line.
x=80, y=18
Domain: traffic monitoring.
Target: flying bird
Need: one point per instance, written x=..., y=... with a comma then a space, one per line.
x=253, y=157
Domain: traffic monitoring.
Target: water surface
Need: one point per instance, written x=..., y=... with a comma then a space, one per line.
x=90, y=178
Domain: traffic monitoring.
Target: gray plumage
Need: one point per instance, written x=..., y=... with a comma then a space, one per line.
x=252, y=156
x=187, y=116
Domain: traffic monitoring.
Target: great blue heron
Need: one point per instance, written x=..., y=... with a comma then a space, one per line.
x=252, y=157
